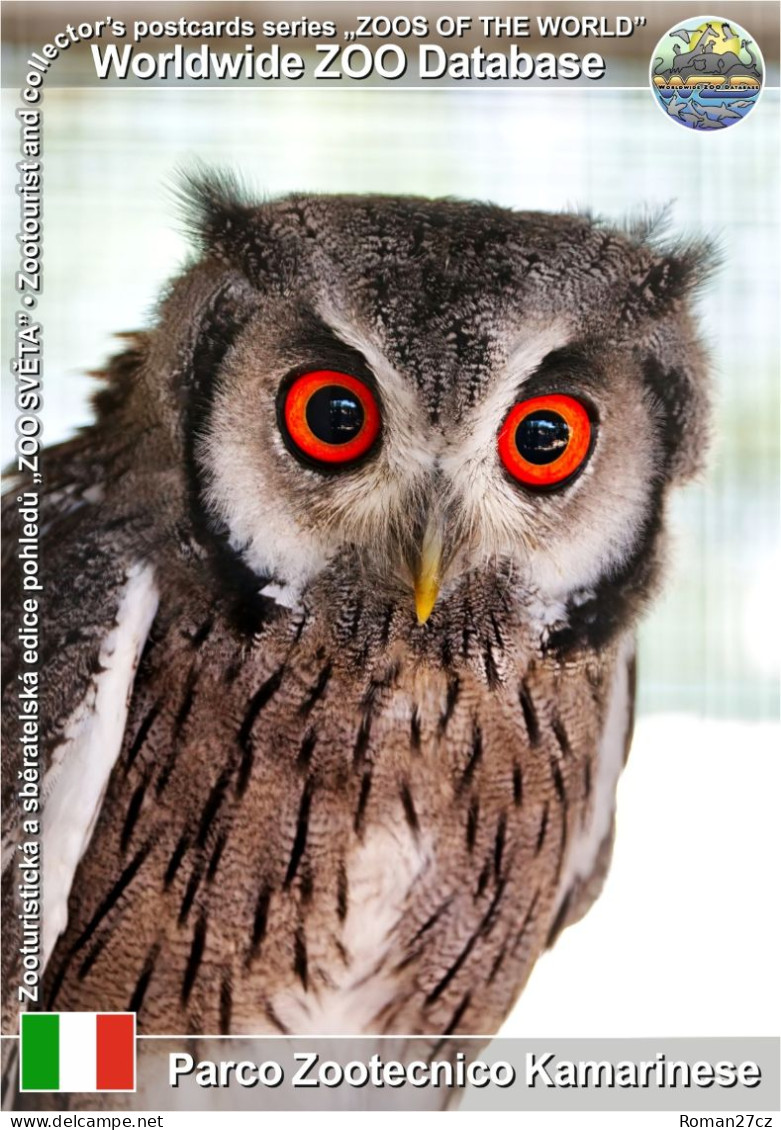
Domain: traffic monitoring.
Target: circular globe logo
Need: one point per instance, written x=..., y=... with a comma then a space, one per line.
x=707, y=73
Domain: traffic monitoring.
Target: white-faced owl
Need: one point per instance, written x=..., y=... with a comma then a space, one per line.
x=339, y=611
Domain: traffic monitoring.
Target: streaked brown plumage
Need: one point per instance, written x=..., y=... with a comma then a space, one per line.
x=211, y=922
x=326, y=816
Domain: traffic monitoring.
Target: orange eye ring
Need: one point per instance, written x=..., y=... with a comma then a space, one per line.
x=545, y=441
x=330, y=418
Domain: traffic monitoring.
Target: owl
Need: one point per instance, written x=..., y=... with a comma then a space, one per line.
x=338, y=625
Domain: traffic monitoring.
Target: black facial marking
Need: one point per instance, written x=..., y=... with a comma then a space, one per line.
x=222, y=323
x=618, y=597
x=671, y=392
x=621, y=594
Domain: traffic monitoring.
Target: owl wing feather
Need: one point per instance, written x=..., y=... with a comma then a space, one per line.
x=589, y=859
x=81, y=764
x=93, y=615
x=85, y=677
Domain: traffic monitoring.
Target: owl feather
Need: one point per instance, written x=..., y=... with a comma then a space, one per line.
x=333, y=747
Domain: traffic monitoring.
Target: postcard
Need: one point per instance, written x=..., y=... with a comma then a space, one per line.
x=390, y=560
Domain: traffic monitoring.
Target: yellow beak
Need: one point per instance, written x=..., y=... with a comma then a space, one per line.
x=429, y=574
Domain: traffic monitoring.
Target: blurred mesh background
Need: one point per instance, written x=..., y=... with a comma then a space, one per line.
x=113, y=236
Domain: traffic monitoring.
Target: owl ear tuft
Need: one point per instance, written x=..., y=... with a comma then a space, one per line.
x=674, y=274
x=217, y=211
x=668, y=271
x=679, y=273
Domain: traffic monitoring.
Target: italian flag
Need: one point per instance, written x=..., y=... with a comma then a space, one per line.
x=78, y=1051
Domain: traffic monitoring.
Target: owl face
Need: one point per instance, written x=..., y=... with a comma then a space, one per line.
x=412, y=393
x=442, y=434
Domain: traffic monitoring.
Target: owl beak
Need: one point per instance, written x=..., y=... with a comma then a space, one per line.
x=429, y=573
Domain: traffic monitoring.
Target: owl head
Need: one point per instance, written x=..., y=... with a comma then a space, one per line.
x=416, y=399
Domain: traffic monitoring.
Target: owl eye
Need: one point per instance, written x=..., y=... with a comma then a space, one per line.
x=329, y=418
x=545, y=441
